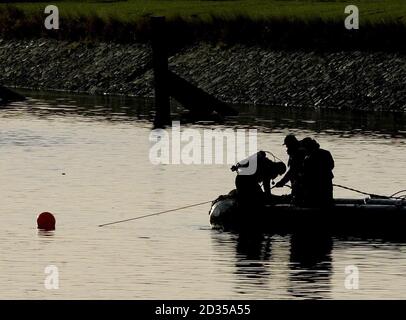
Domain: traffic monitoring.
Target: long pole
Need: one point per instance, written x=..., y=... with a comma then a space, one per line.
x=155, y=214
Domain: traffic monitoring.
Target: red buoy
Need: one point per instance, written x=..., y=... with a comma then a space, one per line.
x=46, y=221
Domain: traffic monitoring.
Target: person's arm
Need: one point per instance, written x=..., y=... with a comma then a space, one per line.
x=267, y=187
x=286, y=178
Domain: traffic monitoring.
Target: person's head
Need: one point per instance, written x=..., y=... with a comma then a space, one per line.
x=278, y=169
x=309, y=145
x=291, y=142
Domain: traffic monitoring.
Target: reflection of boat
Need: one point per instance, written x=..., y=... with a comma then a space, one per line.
x=7, y=96
x=355, y=217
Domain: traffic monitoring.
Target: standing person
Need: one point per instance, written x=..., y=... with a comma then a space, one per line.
x=318, y=174
x=248, y=184
x=295, y=172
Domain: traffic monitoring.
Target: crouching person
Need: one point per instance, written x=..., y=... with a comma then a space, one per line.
x=253, y=172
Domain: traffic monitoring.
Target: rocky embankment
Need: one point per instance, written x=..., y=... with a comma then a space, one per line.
x=238, y=74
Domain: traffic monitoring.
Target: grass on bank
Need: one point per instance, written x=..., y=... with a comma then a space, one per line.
x=278, y=22
x=373, y=11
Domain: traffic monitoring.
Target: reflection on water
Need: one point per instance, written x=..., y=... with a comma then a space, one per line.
x=252, y=253
x=311, y=266
x=106, y=108
x=85, y=159
x=44, y=233
x=93, y=108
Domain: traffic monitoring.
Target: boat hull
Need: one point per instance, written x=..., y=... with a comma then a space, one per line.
x=358, y=217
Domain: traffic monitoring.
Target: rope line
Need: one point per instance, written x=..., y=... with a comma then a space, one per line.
x=371, y=194
x=399, y=192
x=155, y=214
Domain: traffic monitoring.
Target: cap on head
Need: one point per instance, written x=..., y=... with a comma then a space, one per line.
x=290, y=139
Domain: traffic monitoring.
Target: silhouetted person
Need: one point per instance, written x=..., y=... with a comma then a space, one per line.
x=251, y=175
x=295, y=172
x=318, y=175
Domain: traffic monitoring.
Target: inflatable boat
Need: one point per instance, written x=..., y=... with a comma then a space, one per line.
x=354, y=217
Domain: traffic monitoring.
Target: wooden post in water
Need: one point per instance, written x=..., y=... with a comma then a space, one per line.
x=160, y=65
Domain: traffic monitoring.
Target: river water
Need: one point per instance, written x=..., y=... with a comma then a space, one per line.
x=86, y=159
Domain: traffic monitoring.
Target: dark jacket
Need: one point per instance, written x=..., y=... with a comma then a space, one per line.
x=295, y=173
x=318, y=178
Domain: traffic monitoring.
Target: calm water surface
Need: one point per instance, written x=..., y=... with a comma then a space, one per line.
x=86, y=160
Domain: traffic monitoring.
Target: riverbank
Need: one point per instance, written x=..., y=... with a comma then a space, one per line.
x=288, y=24
x=352, y=80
